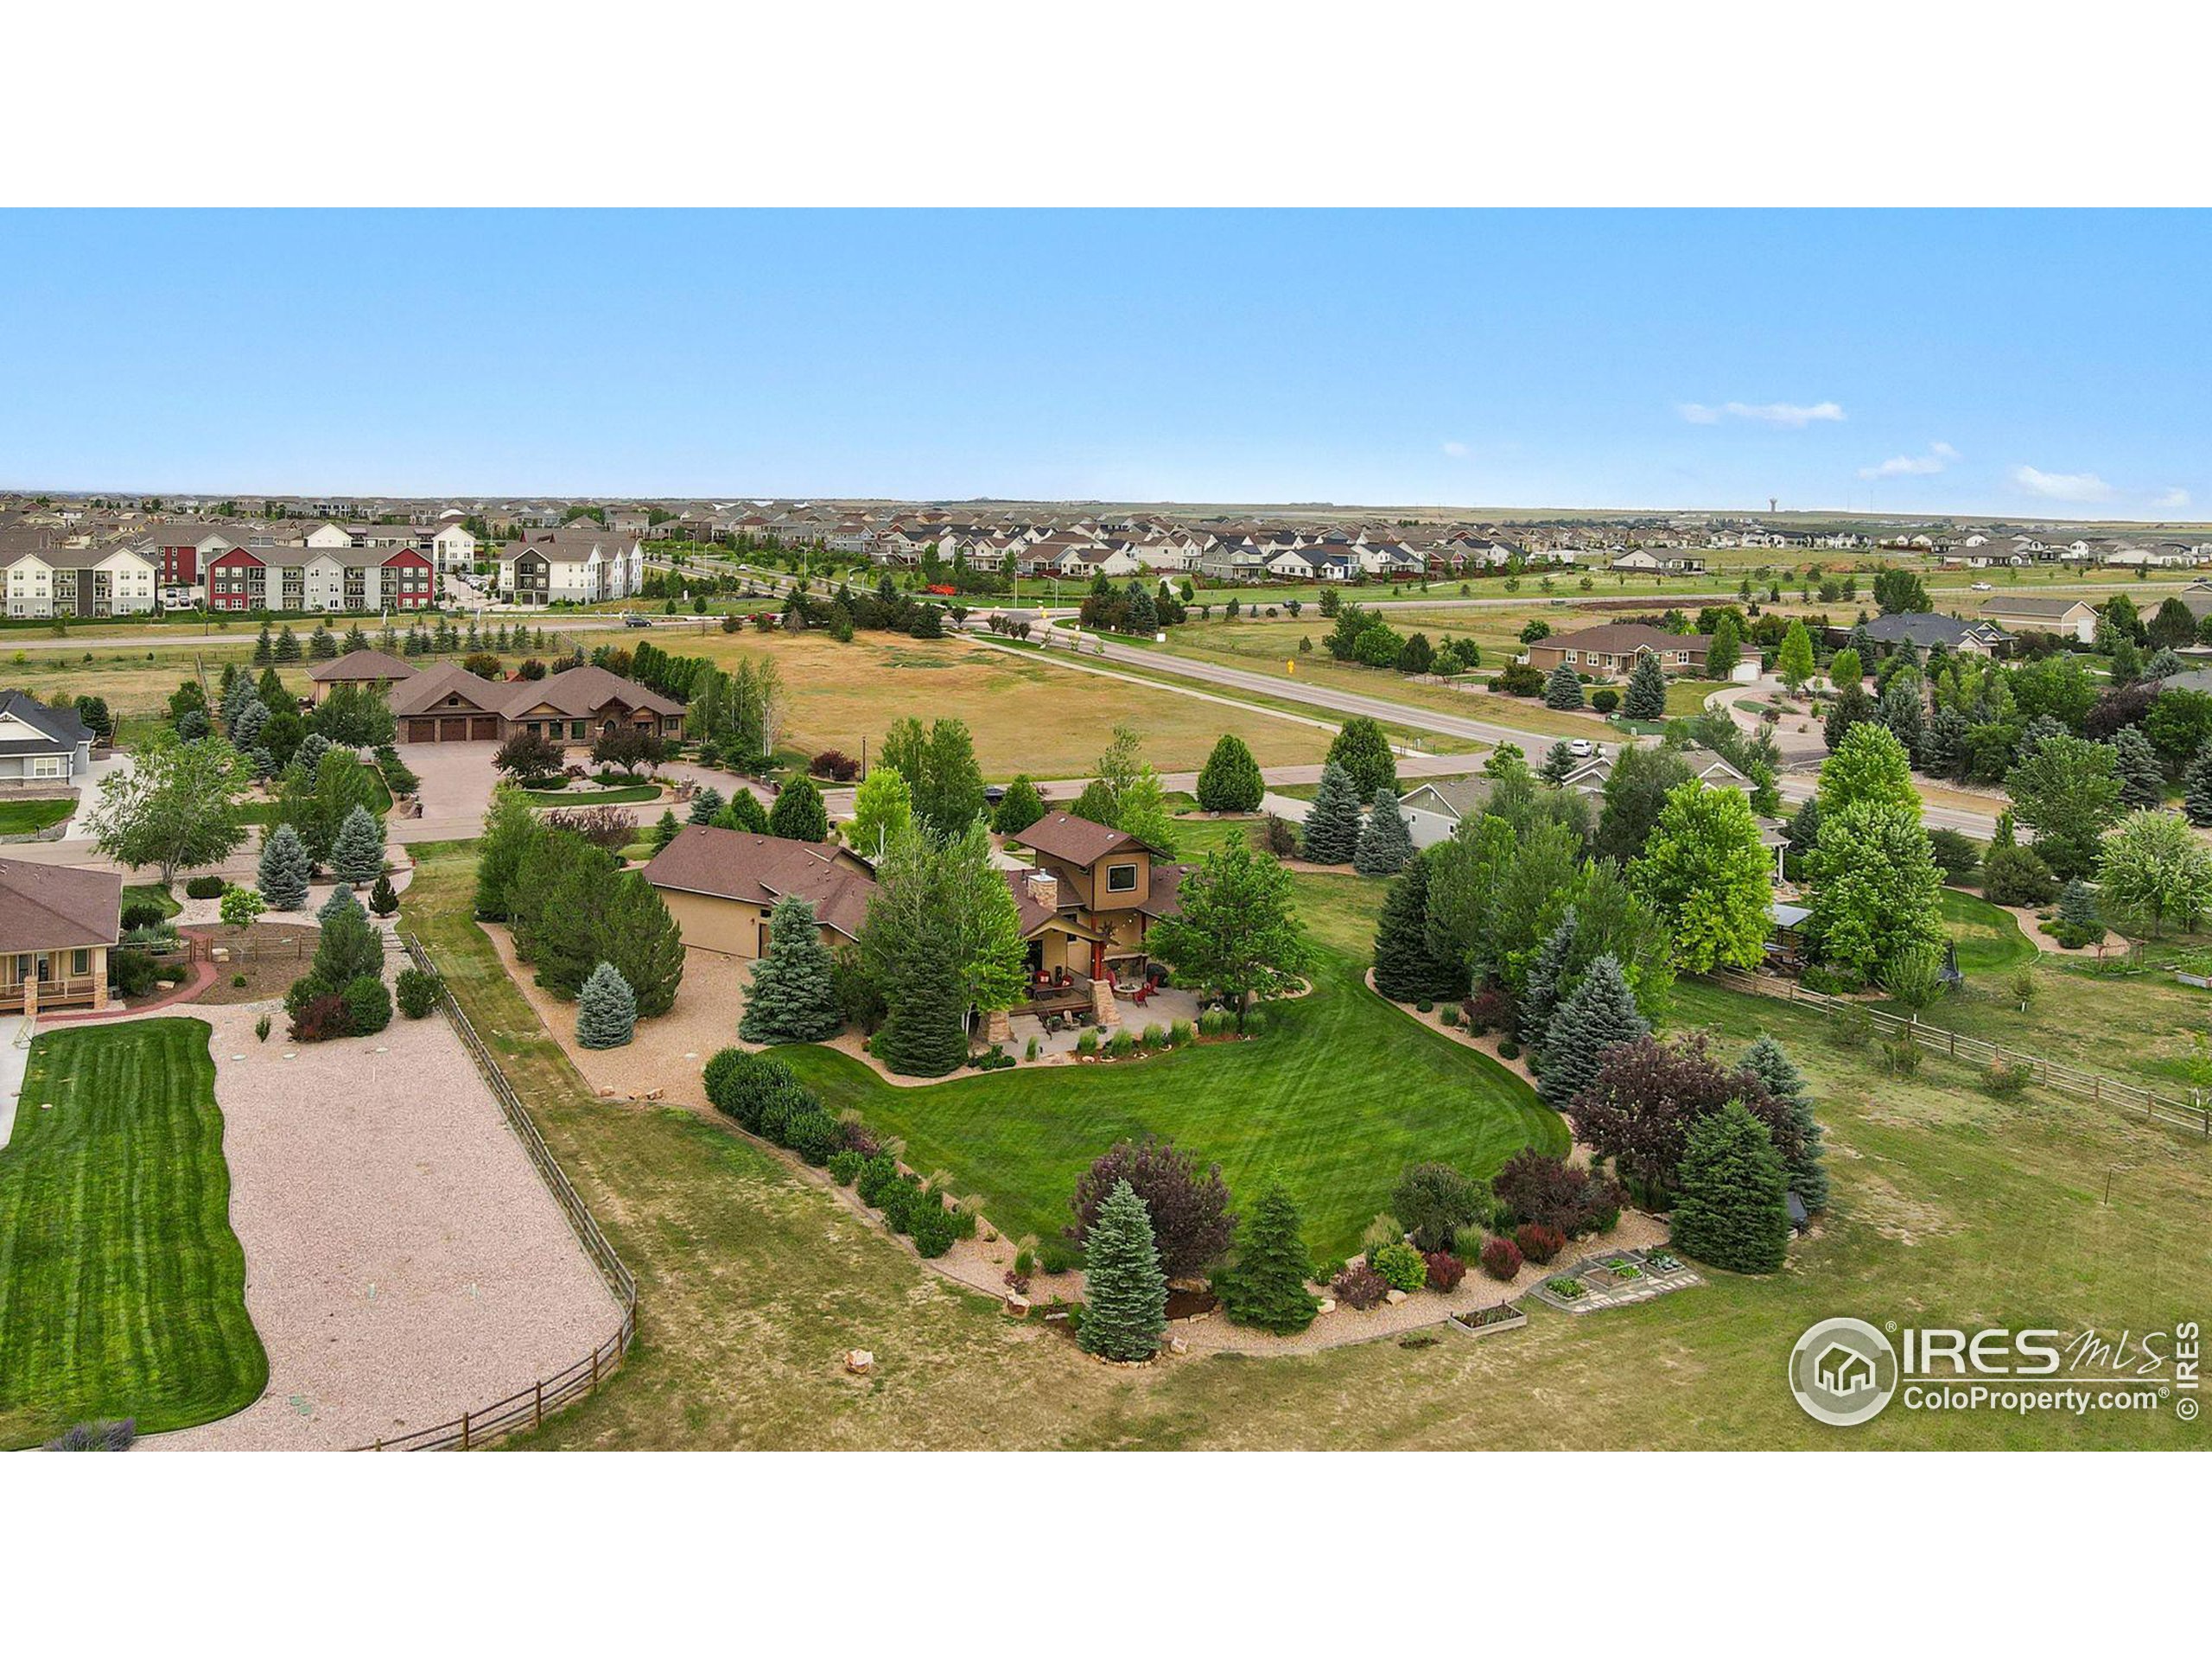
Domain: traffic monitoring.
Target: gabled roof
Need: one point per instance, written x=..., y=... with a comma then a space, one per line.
x=63, y=728
x=579, y=691
x=1459, y=797
x=1078, y=841
x=363, y=666
x=51, y=907
x=434, y=686
x=761, y=869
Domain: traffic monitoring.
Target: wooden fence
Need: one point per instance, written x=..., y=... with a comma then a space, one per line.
x=2131, y=1099
x=526, y=1407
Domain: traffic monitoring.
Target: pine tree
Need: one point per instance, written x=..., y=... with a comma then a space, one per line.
x=341, y=901
x=792, y=998
x=1384, y=843
x=1332, y=822
x=607, y=1012
x=1404, y=969
x=1546, y=980
x=744, y=814
x=798, y=814
x=2196, y=801
x=1809, y=1172
x=383, y=898
x=1125, y=1307
x=288, y=644
x=2079, y=921
x=322, y=645
x=1019, y=808
x=1265, y=1288
x=357, y=853
x=357, y=640
x=1646, y=696
x=1734, y=1209
x=1230, y=780
x=1563, y=689
x=283, y=877
x=2142, y=780
x=263, y=651
x=1558, y=760
x=924, y=1032
x=1600, y=1014
x=247, y=727
x=666, y=829
x=707, y=804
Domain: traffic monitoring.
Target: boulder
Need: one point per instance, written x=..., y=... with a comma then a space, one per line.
x=1017, y=1305
x=1393, y=1296
x=858, y=1362
x=1328, y=1305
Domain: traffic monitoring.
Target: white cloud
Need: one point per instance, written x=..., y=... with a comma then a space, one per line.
x=2061, y=486
x=2173, y=497
x=1939, y=456
x=1454, y=448
x=1794, y=415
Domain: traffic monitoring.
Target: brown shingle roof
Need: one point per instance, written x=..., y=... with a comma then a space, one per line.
x=578, y=691
x=1625, y=636
x=363, y=665
x=1077, y=840
x=433, y=686
x=47, y=907
x=761, y=869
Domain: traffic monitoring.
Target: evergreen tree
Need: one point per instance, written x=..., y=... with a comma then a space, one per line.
x=246, y=729
x=2079, y=921
x=288, y=644
x=744, y=814
x=1902, y=711
x=798, y=814
x=263, y=651
x=666, y=828
x=357, y=640
x=792, y=998
x=2196, y=801
x=1405, y=971
x=1563, y=689
x=511, y=828
x=1734, y=1210
x=1125, y=1310
x=1808, y=1171
x=340, y=900
x=1332, y=822
x=2142, y=779
x=347, y=948
x=707, y=804
x=1384, y=843
x=1600, y=1014
x=607, y=1012
x=1558, y=760
x=1646, y=696
x=322, y=645
x=1946, y=744
x=1265, y=1287
x=1019, y=808
x=1230, y=780
x=924, y=1032
x=1362, y=748
x=357, y=853
x=283, y=877
x=1853, y=707
x=384, y=899
x=1548, y=982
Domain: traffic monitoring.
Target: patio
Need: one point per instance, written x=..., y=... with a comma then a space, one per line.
x=1163, y=1006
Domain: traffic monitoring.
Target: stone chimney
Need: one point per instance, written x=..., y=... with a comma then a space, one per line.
x=1044, y=889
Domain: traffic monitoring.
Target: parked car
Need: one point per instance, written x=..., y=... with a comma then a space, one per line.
x=1981, y=586
x=1582, y=748
x=632, y=619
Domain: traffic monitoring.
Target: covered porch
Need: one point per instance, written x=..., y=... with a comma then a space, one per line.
x=74, y=978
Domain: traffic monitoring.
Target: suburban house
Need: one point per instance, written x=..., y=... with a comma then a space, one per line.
x=2071, y=617
x=1432, y=809
x=57, y=925
x=1611, y=649
x=357, y=668
x=1643, y=561
x=1087, y=907
x=581, y=563
x=40, y=745
x=50, y=580
x=720, y=884
x=1924, y=629
x=448, y=704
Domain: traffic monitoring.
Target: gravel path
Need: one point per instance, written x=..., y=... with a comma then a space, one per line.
x=402, y=1260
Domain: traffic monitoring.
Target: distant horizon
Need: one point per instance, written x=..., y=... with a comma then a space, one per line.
x=2017, y=366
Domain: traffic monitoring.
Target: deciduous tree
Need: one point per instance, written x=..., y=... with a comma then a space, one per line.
x=173, y=808
x=1238, y=932
x=1707, y=876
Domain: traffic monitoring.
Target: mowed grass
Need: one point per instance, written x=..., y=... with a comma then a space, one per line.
x=1989, y=939
x=122, y=1286
x=28, y=817
x=1026, y=713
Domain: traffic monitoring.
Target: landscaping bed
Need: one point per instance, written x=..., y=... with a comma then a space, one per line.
x=280, y=953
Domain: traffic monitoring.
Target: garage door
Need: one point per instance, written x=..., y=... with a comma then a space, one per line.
x=421, y=731
x=485, y=728
x=453, y=729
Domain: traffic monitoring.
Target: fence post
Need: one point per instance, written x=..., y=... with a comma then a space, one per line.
x=594, y=1370
x=464, y=1431
x=538, y=1409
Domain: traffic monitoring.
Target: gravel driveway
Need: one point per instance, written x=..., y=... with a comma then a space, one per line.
x=402, y=1260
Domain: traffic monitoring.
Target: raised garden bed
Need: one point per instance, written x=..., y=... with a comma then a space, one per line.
x=1615, y=1279
x=1481, y=1321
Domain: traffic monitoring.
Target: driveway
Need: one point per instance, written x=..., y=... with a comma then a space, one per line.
x=457, y=780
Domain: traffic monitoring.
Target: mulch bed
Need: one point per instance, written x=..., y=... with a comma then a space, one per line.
x=269, y=971
x=1189, y=1304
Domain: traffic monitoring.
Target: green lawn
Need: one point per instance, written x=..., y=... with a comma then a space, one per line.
x=152, y=892
x=122, y=1286
x=28, y=817
x=1989, y=939
x=1687, y=697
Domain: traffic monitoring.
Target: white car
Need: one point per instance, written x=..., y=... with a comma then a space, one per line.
x=1582, y=748
x=1981, y=587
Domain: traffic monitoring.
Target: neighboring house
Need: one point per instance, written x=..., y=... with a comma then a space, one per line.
x=1432, y=809
x=581, y=564
x=720, y=884
x=55, y=581
x=357, y=668
x=576, y=707
x=40, y=745
x=1290, y=565
x=1923, y=629
x=1088, y=907
x=1611, y=649
x=57, y=925
x=2071, y=617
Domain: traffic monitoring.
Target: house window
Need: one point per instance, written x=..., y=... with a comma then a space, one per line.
x=80, y=963
x=1120, y=878
x=579, y=728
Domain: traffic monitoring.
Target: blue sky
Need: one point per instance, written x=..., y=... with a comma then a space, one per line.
x=2029, y=365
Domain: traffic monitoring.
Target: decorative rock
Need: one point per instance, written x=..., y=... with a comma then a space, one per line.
x=1018, y=1306
x=1177, y=1345
x=858, y=1362
x=1328, y=1305
x=1393, y=1296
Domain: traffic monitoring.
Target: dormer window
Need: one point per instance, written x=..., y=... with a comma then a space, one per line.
x=1120, y=878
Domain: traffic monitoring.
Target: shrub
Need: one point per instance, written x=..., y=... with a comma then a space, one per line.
x=845, y=1166
x=1255, y=1022
x=1538, y=1242
x=1121, y=1045
x=2017, y=875
x=238, y=981
x=1212, y=1021
x=1155, y=1037
x=1448, y=1015
x=141, y=912
x=1401, y=1265
x=1489, y=1009
x=1855, y=1028
x=1359, y=1285
x=858, y=1137
x=813, y=1133
x=931, y=1226
x=1187, y=1203
x=1543, y=1188
x=205, y=886
x=1383, y=1229
x=897, y=1202
x=1057, y=1255
x=261, y=1028
x=1434, y=1201
x=1424, y=1005
x=1467, y=1242
x=1088, y=1043
x=1501, y=1258
x=1604, y=700
x=759, y=1092
x=368, y=1005
x=1508, y=1049
x=1445, y=1270
x=418, y=991
x=319, y=1018
x=2005, y=1081
x=836, y=766
x=104, y=1434
x=878, y=1175
x=1178, y=1034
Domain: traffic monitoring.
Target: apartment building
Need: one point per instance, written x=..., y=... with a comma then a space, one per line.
x=581, y=564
